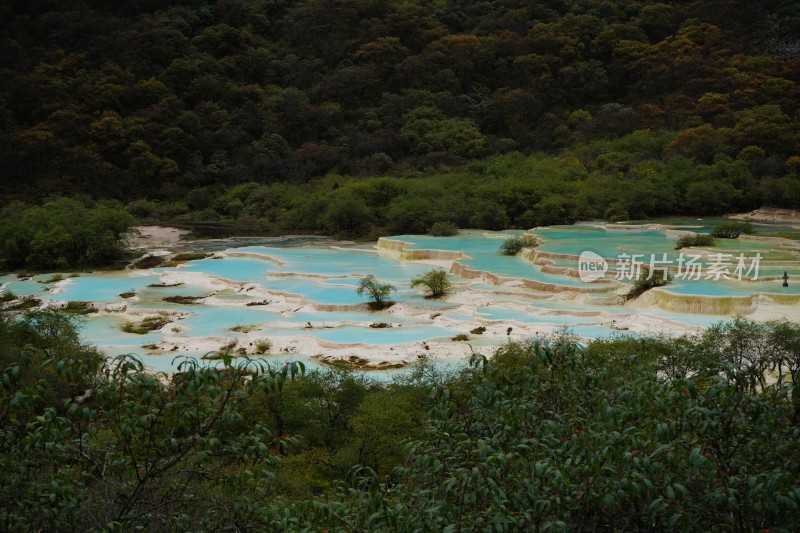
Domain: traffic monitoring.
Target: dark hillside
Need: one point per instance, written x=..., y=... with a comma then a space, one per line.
x=154, y=99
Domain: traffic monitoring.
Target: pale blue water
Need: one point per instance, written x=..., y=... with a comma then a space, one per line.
x=319, y=317
x=488, y=313
x=610, y=244
x=729, y=288
x=213, y=321
x=104, y=331
x=233, y=268
x=339, y=262
x=25, y=288
x=179, y=290
x=702, y=321
x=483, y=255
x=571, y=306
x=383, y=336
x=319, y=293
x=105, y=288
x=331, y=275
x=597, y=332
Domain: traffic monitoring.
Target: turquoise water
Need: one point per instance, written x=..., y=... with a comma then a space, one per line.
x=574, y=240
x=597, y=332
x=488, y=313
x=213, y=321
x=483, y=255
x=232, y=268
x=319, y=293
x=384, y=336
x=702, y=321
x=104, y=331
x=321, y=318
x=179, y=290
x=568, y=306
x=353, y=262
x=100, y=289
x=328, y=275
x=729, y=288
x=25, y=288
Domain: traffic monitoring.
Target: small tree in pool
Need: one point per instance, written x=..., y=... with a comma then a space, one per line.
x=435, y=281
x=646, y=281
x=732, y=230
x=377, y=292
x=515, y=243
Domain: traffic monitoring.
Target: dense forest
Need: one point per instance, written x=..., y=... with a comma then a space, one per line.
x=365, y=117
x=695, y=433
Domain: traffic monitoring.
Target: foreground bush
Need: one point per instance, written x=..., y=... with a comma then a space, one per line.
x=695, y=433
x=85, y=448
x=624, y=435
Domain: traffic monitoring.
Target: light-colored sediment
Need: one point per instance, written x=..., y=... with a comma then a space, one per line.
x=770, y=214
x=401, y=250
x=464, y=271
x=622, y=226
x=464, y=300
x=496, y=333
x=252, y=255
x=458, y=314
x=696, y=304
x=151, y=238
x=756, y=306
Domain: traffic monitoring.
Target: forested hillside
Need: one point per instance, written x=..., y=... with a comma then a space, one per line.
x=631, y=109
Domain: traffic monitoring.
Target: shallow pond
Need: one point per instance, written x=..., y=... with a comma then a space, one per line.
x=300, y=294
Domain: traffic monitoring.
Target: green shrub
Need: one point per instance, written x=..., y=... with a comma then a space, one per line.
x=27, y=302
x=512, y=245
x=377, y=292
x=732, y=230
x=79, y=308
x=647, y=282
x=245, y=328
x=7, y=296
x=147, y=325
x=435, y=281
x=183, y=300
x=443, y=229
x=229, y=346
x=460, y=337
x=263, y=346
x=189, y=256
x=149, y=261
x=697, y=239
x=141, y=208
